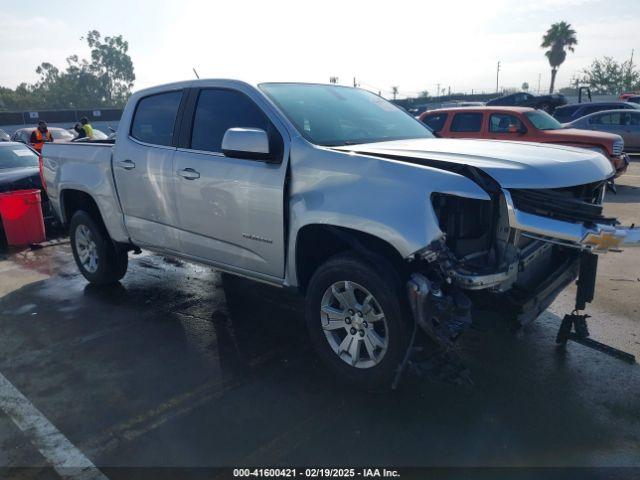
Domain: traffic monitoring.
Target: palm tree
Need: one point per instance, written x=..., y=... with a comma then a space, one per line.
x=394, y=92
x=558, y=39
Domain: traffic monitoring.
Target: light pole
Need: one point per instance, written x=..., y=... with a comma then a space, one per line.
x=498, y=76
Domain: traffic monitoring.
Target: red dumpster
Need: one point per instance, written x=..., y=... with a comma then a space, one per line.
x=21, y=214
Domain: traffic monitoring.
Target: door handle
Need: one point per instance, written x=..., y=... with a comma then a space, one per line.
x=127, y=164
x=189, y=174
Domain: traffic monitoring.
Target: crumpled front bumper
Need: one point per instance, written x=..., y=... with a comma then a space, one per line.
x=597, y=239
x=620, y=163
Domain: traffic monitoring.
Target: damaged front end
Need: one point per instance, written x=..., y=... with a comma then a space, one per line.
x=519, y=250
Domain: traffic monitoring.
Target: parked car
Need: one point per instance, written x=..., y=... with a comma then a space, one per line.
x=548, y=103
x=97, y=135
x=635, y=99
x=627, y=95
x=625, y=123
x=523, y=125
x=572, y=112
x=20, y=170
x=4, y=136
x=23, y=135
x=339, y=194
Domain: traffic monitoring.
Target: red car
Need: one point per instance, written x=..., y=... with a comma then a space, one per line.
x=627, y=95
x=524, y=125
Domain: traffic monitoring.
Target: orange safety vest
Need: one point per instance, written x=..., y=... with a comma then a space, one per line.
x=40, y=142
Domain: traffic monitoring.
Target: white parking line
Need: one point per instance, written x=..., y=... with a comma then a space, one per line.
x=66, y=459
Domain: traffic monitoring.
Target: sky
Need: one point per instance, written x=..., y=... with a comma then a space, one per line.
x=414, y=45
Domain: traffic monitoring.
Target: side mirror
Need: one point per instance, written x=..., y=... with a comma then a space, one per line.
x=247, y=143
x=515, y=129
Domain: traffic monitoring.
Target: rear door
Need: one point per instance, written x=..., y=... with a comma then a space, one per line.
x=466, y=125
x=143, y=170
x=230, y=210
x=611, y=122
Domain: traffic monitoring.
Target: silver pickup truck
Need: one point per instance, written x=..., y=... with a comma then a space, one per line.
x=343, y=196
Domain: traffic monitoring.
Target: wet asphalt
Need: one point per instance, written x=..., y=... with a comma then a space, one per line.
x=182, y=366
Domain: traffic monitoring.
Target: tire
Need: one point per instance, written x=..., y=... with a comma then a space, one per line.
x=373, y=371
x=545, y=107
x=88, y=235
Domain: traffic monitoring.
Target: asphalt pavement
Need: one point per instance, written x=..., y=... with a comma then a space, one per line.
x=181, y=366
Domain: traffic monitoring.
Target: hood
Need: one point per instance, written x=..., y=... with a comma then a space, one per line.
x=20, y=179
x=577, y=134
x=512, y=164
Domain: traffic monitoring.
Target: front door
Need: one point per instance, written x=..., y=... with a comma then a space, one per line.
x=143, y=170
x=504, y=126
x=230, y=210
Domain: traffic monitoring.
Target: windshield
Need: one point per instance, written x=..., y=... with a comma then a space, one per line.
x=543, y=121
x=17, y=156
x=332, y=115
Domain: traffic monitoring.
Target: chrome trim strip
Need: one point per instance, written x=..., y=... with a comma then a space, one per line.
x=152, y=145
x=567, y=233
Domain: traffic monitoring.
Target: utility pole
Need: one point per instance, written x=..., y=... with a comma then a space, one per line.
x=498, y=77
x=438, y=90
x=539, y=77
x=354, y=82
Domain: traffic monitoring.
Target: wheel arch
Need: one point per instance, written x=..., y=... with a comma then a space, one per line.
x=315, y=243
x=73, y=199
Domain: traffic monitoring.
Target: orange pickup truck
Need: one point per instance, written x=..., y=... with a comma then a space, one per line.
x=524, y=125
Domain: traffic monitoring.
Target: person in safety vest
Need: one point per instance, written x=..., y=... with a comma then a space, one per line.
x=40, y=135
x=88, y=129
x=80, y=131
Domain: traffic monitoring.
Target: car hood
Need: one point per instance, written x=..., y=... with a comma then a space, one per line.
x=19, y=179
x=512, y=164
x=569, y=133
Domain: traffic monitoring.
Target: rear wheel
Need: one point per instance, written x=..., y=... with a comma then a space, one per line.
x=355, y=320
x=98, y=259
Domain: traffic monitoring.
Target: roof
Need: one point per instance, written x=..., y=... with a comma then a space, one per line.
x=488, y=108
x=586, y=104
x=601, y=112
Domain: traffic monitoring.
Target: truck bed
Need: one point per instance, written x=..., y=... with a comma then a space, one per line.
x=91, y=162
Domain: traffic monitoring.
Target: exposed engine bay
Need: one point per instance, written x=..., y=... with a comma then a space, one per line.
x=481, y=253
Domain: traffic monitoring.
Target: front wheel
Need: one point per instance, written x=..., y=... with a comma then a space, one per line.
x=98, y=259
x=355, y=320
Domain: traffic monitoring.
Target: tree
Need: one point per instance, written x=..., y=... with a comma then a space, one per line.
x=394, y=92
x=558, y=39
x=105, y=80
x=608, y=77
x=525, y=86
x=424, y=94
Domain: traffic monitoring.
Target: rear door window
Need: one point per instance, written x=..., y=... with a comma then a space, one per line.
x=615, y=118
x=155, y=118
x=435, y=121
x=466, y=122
